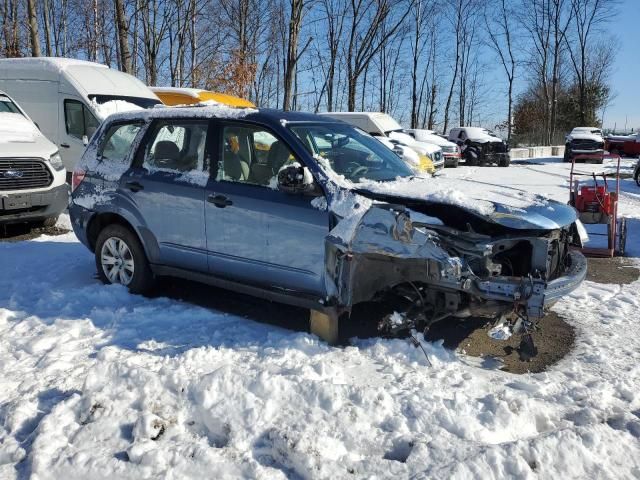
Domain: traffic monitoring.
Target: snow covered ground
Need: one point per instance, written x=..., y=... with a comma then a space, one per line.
x=98, y=383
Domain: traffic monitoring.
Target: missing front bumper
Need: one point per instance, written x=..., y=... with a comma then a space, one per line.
x=535, y=294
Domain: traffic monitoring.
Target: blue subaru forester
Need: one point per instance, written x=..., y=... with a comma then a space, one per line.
x=310, y=211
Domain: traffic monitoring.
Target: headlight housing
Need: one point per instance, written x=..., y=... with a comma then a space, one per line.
x=56, y=161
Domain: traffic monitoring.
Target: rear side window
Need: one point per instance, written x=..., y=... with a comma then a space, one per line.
x=177, y=146
x=79, y=121
x=118, y=142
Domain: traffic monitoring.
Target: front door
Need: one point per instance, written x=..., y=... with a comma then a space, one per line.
x=79, y=123
x=256, y=233
x=167, y=184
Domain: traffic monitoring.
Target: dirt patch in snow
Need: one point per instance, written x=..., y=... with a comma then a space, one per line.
x=554, y=339
x=619, y=270
x=24, y=231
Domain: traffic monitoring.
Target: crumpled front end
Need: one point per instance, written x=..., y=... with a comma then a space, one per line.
x=397, y=251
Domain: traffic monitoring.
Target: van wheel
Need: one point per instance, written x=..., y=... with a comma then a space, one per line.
x=120, y=259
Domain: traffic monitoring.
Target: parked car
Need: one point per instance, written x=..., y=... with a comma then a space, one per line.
x=623, y=145
x=68, y=98
x=479, y=146
x=32, y=176
x=450, y=151
x=586, y=142
x=381, y=124
x=326, y=218
x=174, y=96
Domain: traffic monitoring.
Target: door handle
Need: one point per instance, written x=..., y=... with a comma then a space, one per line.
x=64, y=145
x=219, y=201
x=134, y=186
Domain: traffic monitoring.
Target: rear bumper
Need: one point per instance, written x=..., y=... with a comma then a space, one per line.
x=33, y=207
x=535, y=294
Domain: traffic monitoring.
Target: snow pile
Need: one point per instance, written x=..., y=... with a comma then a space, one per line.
x=16, y=128
x=112, y=107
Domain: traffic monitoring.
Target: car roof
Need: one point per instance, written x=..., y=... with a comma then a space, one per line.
x=266, y=115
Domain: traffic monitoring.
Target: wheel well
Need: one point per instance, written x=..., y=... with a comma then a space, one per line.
x=100, y=221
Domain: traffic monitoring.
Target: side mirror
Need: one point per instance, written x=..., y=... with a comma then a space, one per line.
x=295, y=179
x=85, y=140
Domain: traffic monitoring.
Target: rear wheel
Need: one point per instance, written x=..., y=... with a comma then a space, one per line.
x=504, y=162
x=120, y=259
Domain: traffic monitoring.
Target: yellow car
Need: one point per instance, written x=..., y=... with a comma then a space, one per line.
x=172, y=96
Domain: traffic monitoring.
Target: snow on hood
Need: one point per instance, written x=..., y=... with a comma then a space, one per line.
x=428, y=136
x=481, y=135
x=583, y=133
x=508, y=207
x=408, y=155
x=420, y=147
x=16, y=128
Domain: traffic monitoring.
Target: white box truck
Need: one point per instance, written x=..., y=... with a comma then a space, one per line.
x=67, y=99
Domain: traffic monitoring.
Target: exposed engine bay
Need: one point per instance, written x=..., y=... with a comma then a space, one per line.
x=432, y=263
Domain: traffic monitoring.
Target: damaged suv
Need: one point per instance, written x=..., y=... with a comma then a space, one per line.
x=308, y=210
x=479, y=146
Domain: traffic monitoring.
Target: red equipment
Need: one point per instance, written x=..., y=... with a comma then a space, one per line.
x=596, y=204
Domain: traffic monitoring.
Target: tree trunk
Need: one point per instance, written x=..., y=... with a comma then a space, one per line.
x=33, y=28
x=47, y=28
x=123, y=37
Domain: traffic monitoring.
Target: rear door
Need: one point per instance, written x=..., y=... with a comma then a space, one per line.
x=166, y=186
x=256, y=233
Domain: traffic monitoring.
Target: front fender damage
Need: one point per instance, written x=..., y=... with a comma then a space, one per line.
x=453, y=273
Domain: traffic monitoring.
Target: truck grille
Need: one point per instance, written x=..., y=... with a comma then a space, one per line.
x=23, y=174
x=584, y=144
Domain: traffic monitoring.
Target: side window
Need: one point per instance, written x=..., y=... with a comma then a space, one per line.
x=177, y=146
x=117, y=142
x=79, y=121
x=251, y=155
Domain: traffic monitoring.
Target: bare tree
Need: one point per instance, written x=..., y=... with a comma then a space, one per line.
x=123, y=37
x=33, y=28
x=293, y=56
x=588, y=16
x=501, y=39
x=366, y=19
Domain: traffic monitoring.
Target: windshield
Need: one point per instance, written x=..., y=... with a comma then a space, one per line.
x=351, y=152
x=7, y=106
x=139, y=101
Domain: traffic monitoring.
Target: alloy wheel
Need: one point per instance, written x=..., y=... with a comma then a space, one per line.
x=117, y=261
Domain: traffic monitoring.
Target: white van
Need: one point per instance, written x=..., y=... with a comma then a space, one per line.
x=381, y=124
x=32, y=176
x=67, y=99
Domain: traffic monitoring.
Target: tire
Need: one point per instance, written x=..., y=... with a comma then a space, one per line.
x=566, y=157
x=638, y=178
x=504, y=162
x=470, y=160
x=456, y=162
x=117, y=245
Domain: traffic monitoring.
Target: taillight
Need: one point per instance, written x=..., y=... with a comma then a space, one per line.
x=77, y=178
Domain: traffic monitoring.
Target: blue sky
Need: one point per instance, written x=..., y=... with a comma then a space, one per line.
x=625, y=81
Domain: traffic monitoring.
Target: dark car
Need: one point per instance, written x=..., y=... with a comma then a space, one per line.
x=310, y=211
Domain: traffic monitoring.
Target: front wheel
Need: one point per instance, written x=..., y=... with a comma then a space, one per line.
x=470, y=159
x=120, y=259
x=504, y=162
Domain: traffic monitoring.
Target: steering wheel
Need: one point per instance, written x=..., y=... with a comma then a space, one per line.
x=358, y=170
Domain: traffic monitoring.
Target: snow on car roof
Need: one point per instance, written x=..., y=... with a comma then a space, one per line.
x=52, y=64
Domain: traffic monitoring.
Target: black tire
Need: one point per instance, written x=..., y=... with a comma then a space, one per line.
x=638, y=178
x=141, y=278
x=566, y=157
x=470, y=160
x=504, y=162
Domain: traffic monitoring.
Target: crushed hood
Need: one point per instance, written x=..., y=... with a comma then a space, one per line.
x=457, y=202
